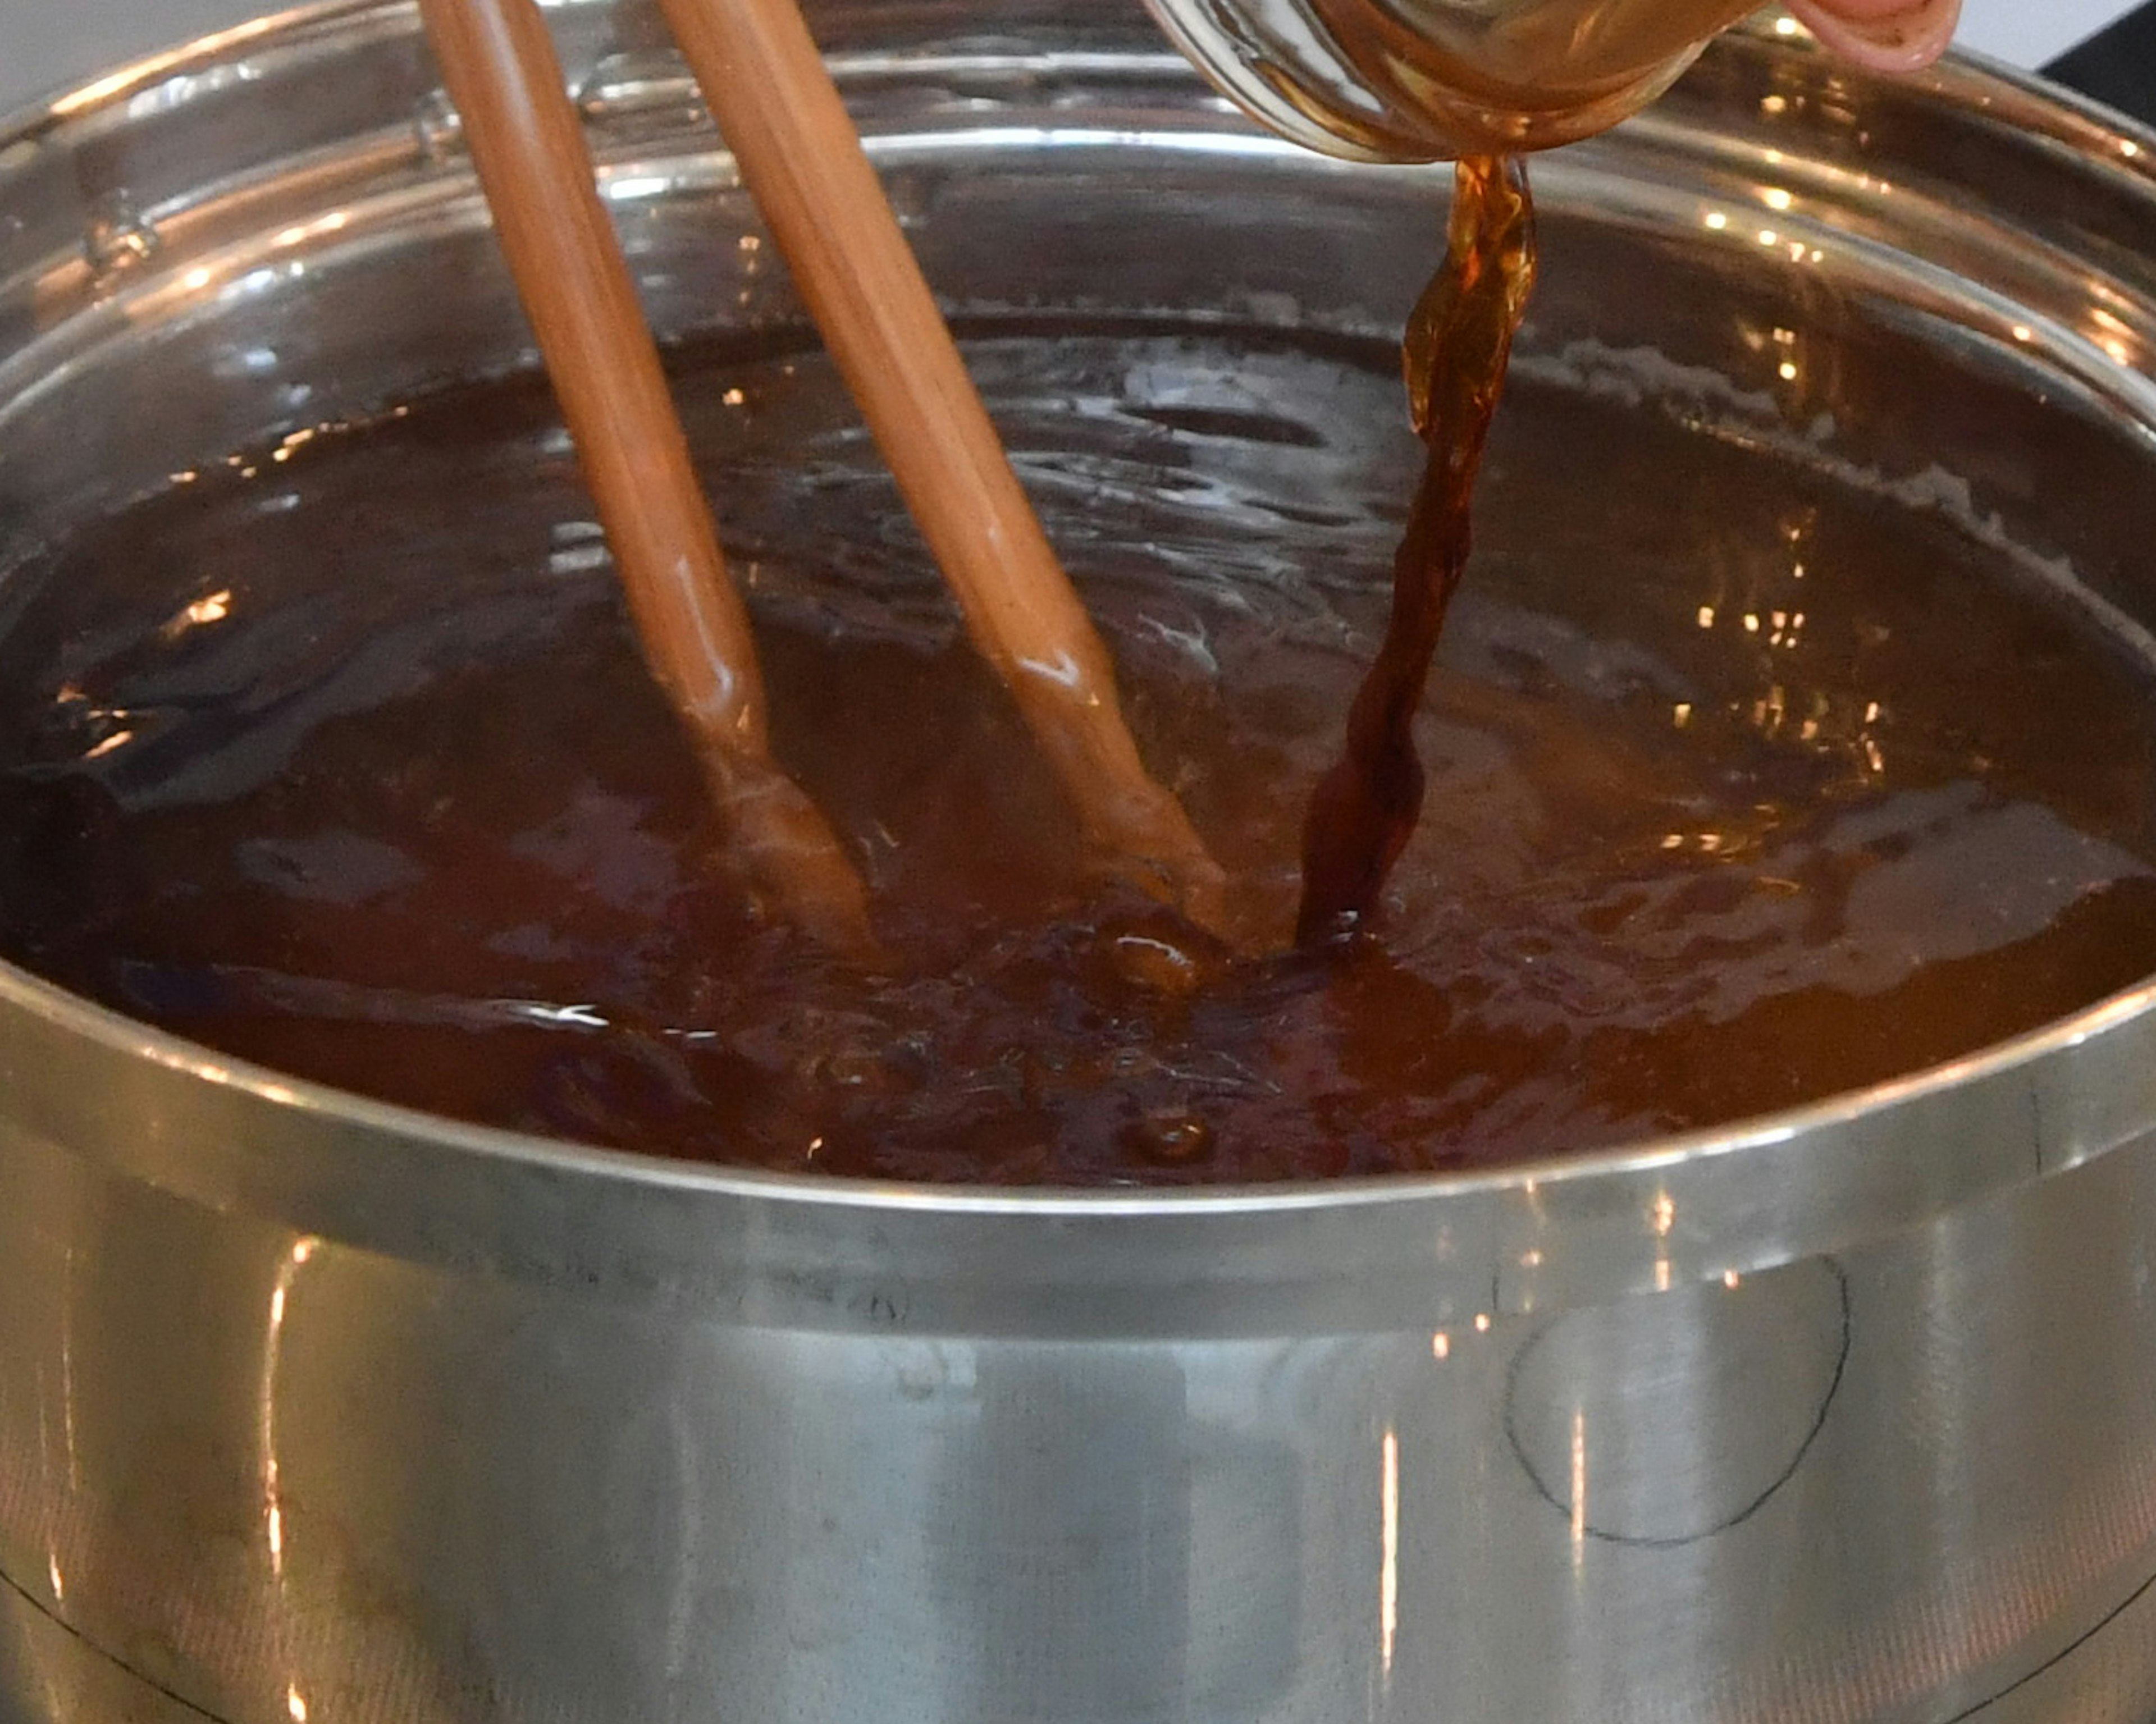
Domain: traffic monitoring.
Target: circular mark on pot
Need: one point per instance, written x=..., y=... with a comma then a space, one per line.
x=98, y=1651
x=1676, y=1417
x=2117, y=1613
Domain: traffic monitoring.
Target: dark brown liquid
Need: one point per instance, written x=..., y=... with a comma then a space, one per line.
x=348, y=763
x=1460, y=342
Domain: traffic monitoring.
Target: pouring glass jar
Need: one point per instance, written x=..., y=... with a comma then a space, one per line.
x=1422, y=80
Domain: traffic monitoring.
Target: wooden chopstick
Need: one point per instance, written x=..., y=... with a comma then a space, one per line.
x=526, y=140
x=798, y=153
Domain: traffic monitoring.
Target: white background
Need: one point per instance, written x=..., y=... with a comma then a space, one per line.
x=2027, y=32
x=44, y=42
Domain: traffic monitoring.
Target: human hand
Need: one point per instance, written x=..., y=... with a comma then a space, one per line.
x=1885, y=35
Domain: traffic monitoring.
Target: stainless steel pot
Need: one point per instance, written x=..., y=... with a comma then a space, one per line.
x=312, y=1409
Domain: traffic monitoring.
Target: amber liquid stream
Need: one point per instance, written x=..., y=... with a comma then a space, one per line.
x=1460, y=341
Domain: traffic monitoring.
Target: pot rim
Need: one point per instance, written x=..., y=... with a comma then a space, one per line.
x=1756, y=1192
x=21, y=991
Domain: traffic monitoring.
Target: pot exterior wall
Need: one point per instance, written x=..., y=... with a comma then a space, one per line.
x=250, y=1475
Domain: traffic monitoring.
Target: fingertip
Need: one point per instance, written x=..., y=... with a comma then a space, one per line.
x=1882, y=35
